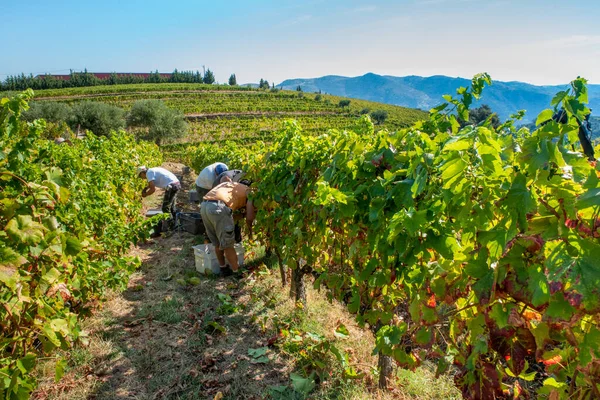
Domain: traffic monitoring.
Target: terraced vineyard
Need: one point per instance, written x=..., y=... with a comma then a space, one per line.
x=219, y=112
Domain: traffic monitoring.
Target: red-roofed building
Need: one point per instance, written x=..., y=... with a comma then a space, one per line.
x=106, y=75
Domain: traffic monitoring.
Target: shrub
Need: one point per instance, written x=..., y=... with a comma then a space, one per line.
x=162, y=123
x=365, y=111
x=379, y=116
x=480, y=114
x=51, y=111
x=99, y=118
x=344, y=103
x=318, y=97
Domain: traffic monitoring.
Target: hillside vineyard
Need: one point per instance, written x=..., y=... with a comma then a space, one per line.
x=472, y=247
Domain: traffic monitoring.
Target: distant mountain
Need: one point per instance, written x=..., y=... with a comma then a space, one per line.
x=505, y=98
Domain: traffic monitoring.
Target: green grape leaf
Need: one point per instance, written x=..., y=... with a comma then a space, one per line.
x=424, y=336
x=558, y=98
x=27, y=363
x=544, y=116
x=539, y=287
x=559, y=308
x=452, y=170
x=590, y=198
x=458, y=143
x=51, y=276
x=341, y=332
x=369, y=269
x=354, y=304
x=259, y=352
x=420, y=181
x=23, y=229
x=588, y=349
x=72, y=246
x=541, y=333
x=520, y=200
x=301, y=384
x=59, y=369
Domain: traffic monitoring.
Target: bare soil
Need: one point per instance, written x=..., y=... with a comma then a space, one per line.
x=258, y=113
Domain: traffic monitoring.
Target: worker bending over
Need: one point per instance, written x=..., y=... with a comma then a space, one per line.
x=158, y=177
x=217, y=211
x=206, y=178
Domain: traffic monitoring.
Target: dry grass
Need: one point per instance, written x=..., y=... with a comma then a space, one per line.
x=157, y=339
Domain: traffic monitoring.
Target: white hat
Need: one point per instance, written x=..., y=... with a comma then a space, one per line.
x=141, y=169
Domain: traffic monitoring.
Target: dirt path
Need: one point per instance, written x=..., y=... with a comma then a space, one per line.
x=176, y=335
x=258, y=114
x=170, y=335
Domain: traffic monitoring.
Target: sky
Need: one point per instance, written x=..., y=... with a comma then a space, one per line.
x=536, y=41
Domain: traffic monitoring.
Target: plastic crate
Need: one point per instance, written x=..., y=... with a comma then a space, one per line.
x=191, y=222
x=194, y=196
x=206, y=258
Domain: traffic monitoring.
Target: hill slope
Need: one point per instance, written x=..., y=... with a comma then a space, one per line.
x=220, y=112
x=504, y=98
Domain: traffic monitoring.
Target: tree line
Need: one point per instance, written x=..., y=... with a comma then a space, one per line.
x=85, y=78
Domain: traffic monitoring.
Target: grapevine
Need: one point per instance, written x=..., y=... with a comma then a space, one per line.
x=68, y=215
x=476, y=248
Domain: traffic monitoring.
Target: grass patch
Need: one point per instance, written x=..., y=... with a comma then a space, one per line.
x=167, y=311
x=422, y=384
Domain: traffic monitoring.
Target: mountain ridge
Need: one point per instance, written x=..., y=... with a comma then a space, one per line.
x=415, y=91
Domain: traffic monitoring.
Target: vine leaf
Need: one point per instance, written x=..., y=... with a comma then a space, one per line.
x=25, y=230
x=301, y=384
x=341, y=332
x=10, y=261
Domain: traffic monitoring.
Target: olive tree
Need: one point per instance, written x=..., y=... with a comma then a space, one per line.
x=51, y=111
x=100, y=118
x=159, y=122
x=379, y=116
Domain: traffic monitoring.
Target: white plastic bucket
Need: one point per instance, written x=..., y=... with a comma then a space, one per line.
x=206, y=258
